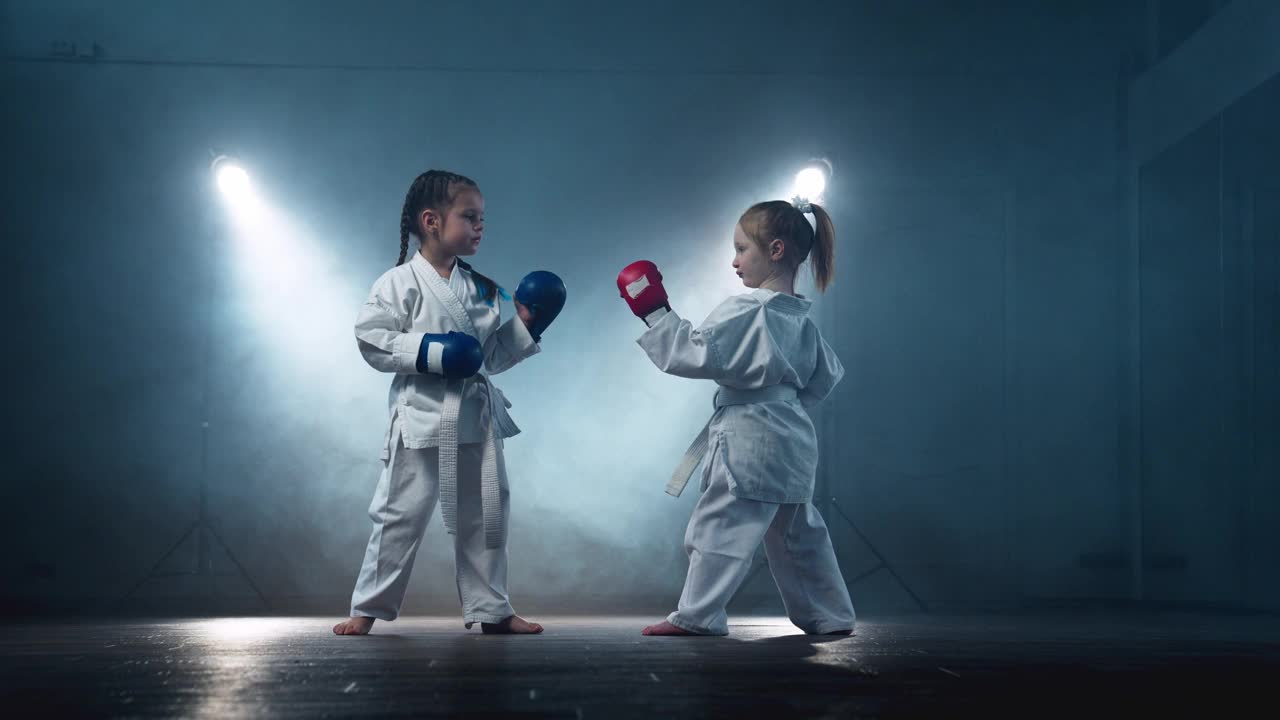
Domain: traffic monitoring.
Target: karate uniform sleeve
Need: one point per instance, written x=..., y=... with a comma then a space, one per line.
x=508, y=345
x=826, y=374
x=727, y=346
x=382, y=333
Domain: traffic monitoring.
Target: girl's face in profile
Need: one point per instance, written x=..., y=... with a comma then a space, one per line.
x=749, y=261
x=462, y=226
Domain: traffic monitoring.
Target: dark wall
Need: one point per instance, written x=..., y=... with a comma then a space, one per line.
x=1210, y=238
x=975, y=196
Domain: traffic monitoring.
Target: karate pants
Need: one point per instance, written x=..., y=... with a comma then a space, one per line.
x=721, y=540
x=402, y=505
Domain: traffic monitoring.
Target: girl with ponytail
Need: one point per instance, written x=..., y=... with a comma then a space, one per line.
x=760, y=448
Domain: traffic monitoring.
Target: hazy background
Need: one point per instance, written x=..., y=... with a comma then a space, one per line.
x=1057, y=287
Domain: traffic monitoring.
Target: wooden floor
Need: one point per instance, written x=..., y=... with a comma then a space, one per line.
x=1024, y=665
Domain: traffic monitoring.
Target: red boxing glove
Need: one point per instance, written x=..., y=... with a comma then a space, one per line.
x=640, y=284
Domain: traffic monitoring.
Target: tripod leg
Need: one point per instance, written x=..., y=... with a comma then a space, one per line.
x=905, y=587
x=239, y=567
x=867, y=574
x=151, y=573
x=883, y=563
x=855, y=529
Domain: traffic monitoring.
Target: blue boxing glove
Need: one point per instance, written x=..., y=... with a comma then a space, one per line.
x=452, y=354
x=543, y=293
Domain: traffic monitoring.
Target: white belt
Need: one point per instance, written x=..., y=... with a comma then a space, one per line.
x=490, y=485
x=724, y=396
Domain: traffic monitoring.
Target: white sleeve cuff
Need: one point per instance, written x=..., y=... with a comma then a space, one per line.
x=652, y=318
x=406, y=352
x=523, y=336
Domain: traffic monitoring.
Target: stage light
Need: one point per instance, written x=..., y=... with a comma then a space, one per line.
x=811, y=181
x=232, y=179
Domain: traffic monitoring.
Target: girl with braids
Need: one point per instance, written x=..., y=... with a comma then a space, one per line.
x=434, y=322
x=761, y=451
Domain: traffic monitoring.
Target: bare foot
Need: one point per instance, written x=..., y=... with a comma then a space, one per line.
x=354, y=626
x=665, y=628
x=514, y=625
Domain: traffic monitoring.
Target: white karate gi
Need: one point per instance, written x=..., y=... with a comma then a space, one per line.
x=444, y=441
x=761, y=456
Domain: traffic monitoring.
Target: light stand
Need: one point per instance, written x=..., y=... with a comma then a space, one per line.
x=201, y=529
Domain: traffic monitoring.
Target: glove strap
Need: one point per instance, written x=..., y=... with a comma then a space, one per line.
x=656, y=315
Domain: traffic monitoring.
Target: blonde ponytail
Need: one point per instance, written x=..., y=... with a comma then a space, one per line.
x=823, y=251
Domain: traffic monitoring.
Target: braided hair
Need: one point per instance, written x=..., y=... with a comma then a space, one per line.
x=436, y=190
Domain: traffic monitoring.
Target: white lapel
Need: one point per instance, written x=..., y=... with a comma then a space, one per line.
x=445, y=294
